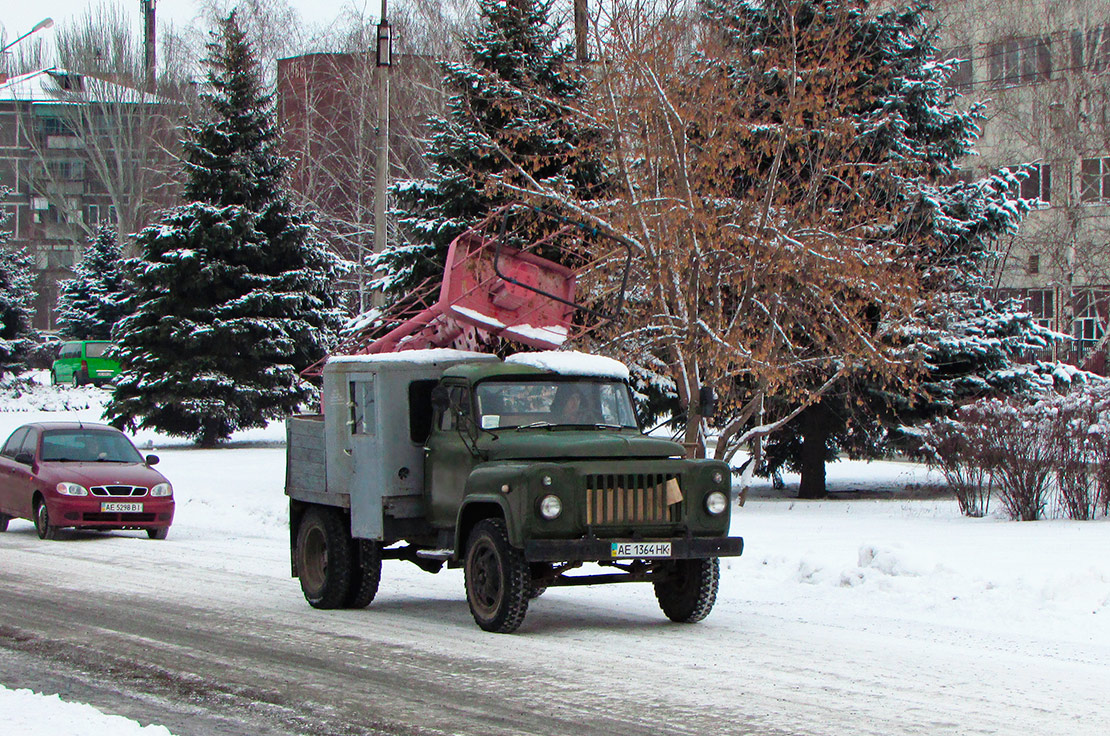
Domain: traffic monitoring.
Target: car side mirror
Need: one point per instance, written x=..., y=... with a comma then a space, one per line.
x=440, y=398
x=151, y=459
x=707, y=402
x=25, y=458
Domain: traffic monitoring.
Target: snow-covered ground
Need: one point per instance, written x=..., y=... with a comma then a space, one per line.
x=905, y=568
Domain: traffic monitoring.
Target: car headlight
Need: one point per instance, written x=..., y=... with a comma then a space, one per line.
x=72, y=489
x=550, y=507
x=716, y=502
x=162, y=489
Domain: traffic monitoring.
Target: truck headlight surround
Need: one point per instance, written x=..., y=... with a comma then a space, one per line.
x=550, y=507
x=71, y=489
x=716, y=502
x=162, y=489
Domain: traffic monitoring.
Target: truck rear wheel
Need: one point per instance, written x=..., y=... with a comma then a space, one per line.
x=498, y=580
x=324, y=558
x=366, y=573
x=687, y=589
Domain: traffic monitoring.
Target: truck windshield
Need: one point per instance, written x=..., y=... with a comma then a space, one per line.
x=542, y=403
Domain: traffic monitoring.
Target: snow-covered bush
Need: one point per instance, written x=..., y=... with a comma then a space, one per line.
x=961, y=450
x=1052, y=454
x=1081, y=430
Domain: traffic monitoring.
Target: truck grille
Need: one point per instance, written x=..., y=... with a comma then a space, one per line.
x=118, y=491
x=620, y=499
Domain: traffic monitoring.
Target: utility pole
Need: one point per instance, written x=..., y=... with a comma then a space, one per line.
x=149, y=49
x=581, y=28
x=381, y=177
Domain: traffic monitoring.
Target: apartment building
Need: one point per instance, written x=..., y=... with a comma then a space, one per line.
x=1042, y=68
x=77, y=152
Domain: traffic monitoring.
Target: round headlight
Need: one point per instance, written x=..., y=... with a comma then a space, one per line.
x=550, y=507
x=718, y=477
x=162, y=489
x=72, y=489
x=716, y=502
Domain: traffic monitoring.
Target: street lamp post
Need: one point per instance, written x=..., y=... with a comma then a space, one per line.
x=44, y=23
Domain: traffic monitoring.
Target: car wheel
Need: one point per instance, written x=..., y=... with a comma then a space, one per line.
x=687, y=589
x=76, y=380
x=498, y=580
x=158, y=532
x=366, y=573
x=43, y=526
x=53, y=378
x=323, y=556
x=4, y=519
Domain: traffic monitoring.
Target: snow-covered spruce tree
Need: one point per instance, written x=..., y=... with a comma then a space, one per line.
x=17, y=294
x=967, y=344
x=507, y=108
x=232, y=293
x=91, y=303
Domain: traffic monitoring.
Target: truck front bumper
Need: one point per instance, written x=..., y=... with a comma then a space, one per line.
x=595, y=550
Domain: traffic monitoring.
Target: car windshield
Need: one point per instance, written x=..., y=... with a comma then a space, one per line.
x=96, y=349
x=88, y=446
x=551, y=403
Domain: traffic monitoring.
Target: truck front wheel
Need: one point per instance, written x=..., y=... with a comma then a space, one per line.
x=687, y=589
x=324, y=558
x=498, y=580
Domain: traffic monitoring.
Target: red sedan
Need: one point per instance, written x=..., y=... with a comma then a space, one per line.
x=88, y=476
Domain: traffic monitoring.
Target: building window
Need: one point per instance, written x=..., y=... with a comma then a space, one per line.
x=1021, y=60
x=1034, y=266
x=1090, y=49
x=1038, y=185
x=963, y=76
x=1094, y=183
x=100, y=214
x=1039, y=302
x=1087, y=327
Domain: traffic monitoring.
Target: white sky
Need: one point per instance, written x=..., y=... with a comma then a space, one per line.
x=17, y=16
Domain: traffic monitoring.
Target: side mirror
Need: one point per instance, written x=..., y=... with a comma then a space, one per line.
x=151, y=459
x=25, y=458
x=440, y=398
x=707, y=402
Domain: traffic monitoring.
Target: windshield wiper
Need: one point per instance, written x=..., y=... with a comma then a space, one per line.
x=534, y=425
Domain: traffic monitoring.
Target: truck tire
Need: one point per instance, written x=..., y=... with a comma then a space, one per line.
x=366, y=573
x=537, y=570
x=687, y=589
x=324, y=558
x=498, y=580
x=4, y=519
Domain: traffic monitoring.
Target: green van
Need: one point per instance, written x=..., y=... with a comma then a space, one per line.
x=82, y=361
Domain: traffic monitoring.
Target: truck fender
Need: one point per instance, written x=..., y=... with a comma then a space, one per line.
x=476, y=508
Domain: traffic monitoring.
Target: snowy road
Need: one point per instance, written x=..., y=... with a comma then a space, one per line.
x=207, y=629
x=843, y=617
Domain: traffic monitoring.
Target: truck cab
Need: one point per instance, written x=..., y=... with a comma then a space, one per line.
x=519, y=471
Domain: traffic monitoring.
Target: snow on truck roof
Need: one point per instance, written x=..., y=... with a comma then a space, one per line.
x=571, y=363
x=420, y=357
x=567, y=363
